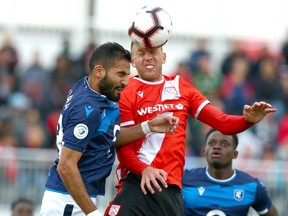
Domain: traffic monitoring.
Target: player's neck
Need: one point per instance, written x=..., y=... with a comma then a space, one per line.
x=220, y=173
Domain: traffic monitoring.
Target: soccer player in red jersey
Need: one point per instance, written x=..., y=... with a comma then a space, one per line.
x=151, y=168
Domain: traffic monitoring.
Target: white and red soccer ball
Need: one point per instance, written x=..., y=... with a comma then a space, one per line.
x=151, y=27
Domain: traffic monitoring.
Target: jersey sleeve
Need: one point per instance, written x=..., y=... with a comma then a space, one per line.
x=134, y=165
x=226, y=124
x=80, y=127
x=262, y=202
x=194, y=97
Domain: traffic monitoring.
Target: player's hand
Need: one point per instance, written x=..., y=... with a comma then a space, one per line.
x=152, y=176
x=256, y=112
x=163, y=124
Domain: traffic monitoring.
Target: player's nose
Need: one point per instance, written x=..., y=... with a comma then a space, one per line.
x=125, y=81
x=148, y=56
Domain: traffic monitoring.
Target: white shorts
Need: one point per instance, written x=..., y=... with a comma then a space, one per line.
x=57, y=204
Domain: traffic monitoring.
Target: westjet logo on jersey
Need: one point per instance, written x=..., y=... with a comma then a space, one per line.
x=159, y=108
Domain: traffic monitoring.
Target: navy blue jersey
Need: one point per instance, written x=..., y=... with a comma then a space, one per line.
x=89, y=123
x=207, y=196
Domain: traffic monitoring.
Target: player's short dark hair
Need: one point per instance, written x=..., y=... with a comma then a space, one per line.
x=234, y=136
x=21, y=200
x=107, y=55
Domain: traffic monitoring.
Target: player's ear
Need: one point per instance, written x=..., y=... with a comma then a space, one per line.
x=164, y=58
x=203, y=151
x=98, y=70
x=133, y=63
x=235, y=154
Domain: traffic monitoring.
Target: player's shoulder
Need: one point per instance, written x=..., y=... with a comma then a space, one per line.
x=193, y=174
x=245, y=177
x=81, y=96
x=194, y=170
x=176, y=77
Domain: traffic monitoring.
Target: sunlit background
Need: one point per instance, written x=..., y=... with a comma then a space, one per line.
x=52, y=40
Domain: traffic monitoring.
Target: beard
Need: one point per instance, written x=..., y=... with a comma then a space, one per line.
x=107, y=88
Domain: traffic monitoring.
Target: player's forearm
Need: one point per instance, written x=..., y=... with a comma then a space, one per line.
x=128, y=135
x=272, y=211
x=226, y=124
x=74, y=184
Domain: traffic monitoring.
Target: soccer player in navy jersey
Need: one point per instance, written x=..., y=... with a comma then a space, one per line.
x=86, y=133
x=218, y=189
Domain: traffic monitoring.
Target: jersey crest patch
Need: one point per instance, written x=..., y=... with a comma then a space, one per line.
x=114, y=209
x=171, y=90
x=80, y=131
x=238, y=194
x=216, y=212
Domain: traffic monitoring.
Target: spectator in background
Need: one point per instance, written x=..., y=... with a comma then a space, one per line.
x=282, y=138
x=8, y=75
x=267, y=131
x=85, y=56
x=200, y=51
x=34, y=134
x=34, y=85
x=283, y=76
x=267, y=86
x=8, y=142
x=60, y=82
x=22, y=207
x=205, y=79
x=284, y=51
x=183, y=70
x=250, y=145
x=263, y=54
x=236, y=90
x=218, y=189
x=236, y=51
x=9, y=55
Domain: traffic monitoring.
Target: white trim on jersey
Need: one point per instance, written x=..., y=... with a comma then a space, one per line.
x=123, y=124
x=152, y=145
x=148, y=82
x=200, y=108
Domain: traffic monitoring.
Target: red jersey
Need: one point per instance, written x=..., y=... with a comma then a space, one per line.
x=143, y=100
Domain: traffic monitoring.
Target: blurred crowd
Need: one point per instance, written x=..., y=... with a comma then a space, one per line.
x=31, y=98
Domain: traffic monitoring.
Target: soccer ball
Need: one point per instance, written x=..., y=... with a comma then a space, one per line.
x=151, y=27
